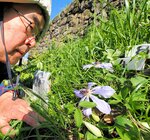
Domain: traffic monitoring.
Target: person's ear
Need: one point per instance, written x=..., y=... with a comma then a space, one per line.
x=30, y=41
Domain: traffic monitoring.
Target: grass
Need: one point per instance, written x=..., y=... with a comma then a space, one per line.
x=124, y=28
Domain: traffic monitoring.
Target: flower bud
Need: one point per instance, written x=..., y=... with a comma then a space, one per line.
x=5, y=82
x=40, y=65
x=95, y=117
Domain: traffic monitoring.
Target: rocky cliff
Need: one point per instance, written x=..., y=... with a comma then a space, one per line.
x=75, y=18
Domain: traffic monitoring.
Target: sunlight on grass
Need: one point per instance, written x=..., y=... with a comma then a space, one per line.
x=125, y=27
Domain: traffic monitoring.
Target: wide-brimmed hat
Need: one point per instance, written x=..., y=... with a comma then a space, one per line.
x=45, y=5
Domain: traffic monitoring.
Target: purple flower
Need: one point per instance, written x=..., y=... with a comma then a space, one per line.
x=87, y=95
x=107, y=66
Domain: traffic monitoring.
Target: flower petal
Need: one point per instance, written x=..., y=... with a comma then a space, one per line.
x=78, y=93
x=87, y=99
x=107, y=66
x=87, y=66
x=98, y=65
x=87, y=112
x=90, y=84
x=102, y=106
x=96, y=90
x=105, y=91
x=84, y=98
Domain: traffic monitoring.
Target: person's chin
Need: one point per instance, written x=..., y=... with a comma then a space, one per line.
x=14, y=61
x=15, y=58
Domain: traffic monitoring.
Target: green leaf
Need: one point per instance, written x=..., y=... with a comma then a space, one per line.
x=90, y=136
x=78, y=117
x=114, y=101
x=118, y=97
x=138, y=80
x=145, y=134
x=122, y=133
x=122, y=120
x=93, y=129
x=138, y=96
x=81, y=136
x=31, y=94
x=126, y=129
x=69, y=108
x=124, y=92
x=40, y=65
x=87, y=104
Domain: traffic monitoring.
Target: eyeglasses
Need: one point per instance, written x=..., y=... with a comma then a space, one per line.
x=29, y=28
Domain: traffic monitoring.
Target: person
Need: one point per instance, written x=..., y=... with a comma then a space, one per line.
x=23, y=23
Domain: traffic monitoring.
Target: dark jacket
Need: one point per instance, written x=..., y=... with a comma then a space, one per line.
x=3, y=72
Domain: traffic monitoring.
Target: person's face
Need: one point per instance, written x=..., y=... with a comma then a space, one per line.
x=20, y=33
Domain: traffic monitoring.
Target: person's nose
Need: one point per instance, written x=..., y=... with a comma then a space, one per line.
x=30, y=42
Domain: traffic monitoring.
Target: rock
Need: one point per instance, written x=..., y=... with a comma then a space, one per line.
x=86, y=14
x=63, y=21
x=78, y=14
x=41, y=84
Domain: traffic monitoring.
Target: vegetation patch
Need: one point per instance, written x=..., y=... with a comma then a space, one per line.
x=95, y=95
